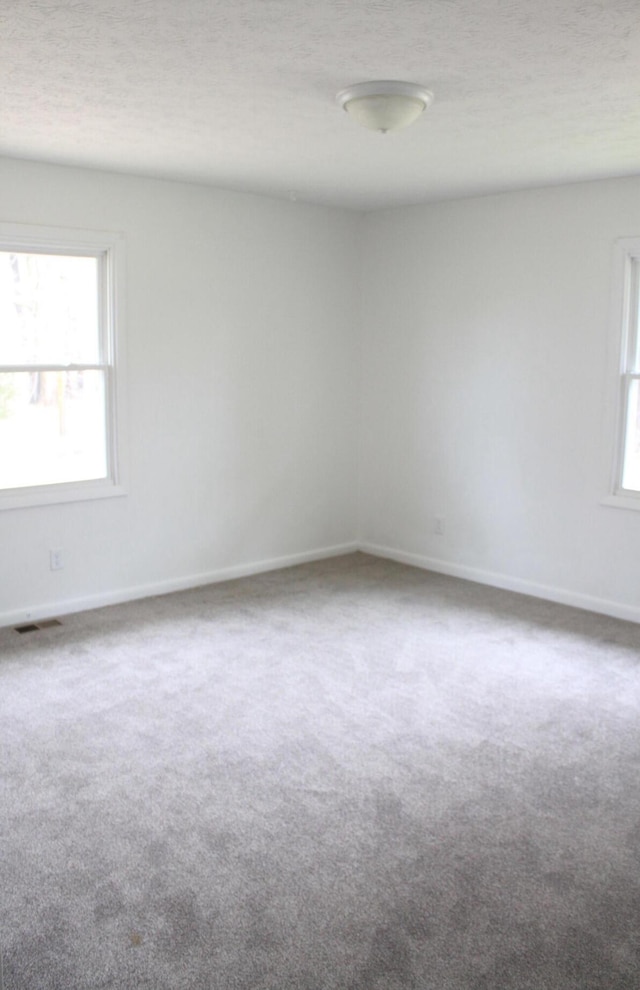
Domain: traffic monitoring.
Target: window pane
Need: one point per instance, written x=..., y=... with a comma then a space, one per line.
x=631, y=468
x=48, y=309
x=52, y=427
x=634, y=357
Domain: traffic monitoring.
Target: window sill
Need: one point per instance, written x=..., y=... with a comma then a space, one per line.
x=25, y=498
x=622, y=502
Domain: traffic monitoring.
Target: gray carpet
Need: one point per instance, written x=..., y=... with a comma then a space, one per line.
x=351, y=775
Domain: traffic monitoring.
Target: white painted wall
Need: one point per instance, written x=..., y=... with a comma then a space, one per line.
x=481, y=371
x=484, y=374
x=243, y=310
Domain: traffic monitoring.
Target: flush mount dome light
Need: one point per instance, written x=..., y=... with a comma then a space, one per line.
x=386, y=105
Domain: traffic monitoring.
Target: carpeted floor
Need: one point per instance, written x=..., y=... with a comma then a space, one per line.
x=351, y=775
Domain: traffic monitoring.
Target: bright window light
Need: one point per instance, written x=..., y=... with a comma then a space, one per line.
x=57, y=370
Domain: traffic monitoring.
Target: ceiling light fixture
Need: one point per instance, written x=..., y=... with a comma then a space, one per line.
x=385, y=105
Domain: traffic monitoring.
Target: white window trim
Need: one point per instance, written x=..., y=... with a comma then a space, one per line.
x=625, y=288
x=25, y=237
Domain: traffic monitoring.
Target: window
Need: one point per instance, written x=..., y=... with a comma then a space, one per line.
x=626, y=474
x=59, y=358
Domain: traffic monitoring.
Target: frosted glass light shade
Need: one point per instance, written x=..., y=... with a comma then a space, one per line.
x=386, y=105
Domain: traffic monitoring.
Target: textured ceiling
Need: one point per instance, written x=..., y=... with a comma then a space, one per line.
x=241, y=93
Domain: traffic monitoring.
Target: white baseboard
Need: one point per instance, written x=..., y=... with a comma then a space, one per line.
x=47, y=610
x=505, y=581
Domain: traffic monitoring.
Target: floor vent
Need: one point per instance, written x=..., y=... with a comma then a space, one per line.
x=34, y=626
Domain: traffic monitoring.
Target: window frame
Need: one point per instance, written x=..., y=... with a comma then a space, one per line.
x=108, y=248
x=624, y=364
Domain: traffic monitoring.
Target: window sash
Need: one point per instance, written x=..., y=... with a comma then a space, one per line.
x=107, y=249
x=629, y=374
x=629, y=437
x=631, y=350
x=8, y=368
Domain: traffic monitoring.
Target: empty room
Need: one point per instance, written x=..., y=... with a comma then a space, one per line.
x=319, y=495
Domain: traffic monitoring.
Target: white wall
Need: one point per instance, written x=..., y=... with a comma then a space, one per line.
x=481, y=371
x=241, y=330
x=485, y=338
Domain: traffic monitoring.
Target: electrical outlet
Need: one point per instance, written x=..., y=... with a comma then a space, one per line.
x=56, y=560
x=439, y=526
